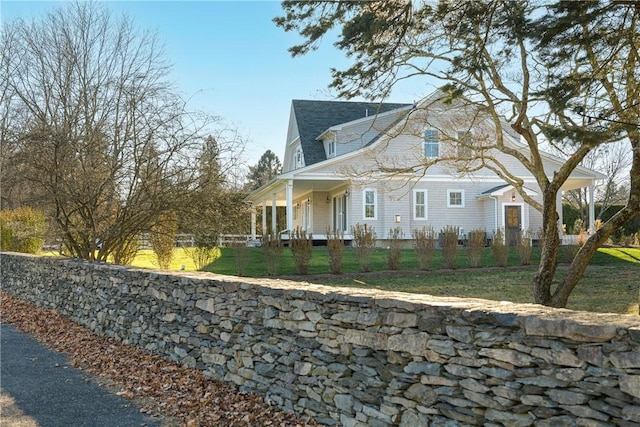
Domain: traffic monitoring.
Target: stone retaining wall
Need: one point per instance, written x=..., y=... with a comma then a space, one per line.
x=357, y=357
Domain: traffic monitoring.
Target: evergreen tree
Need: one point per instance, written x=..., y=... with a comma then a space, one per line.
x=267, y=168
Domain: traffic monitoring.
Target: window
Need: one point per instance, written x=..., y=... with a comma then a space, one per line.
x=369, y=204
x=431, y=144
x=298, y=158
x=331, y=147
x=306, y=215
x=465, y=142
x=340, y=213
x=419, y=204
x=455, y=199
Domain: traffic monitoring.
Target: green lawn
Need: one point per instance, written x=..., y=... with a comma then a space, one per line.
x=610, y=284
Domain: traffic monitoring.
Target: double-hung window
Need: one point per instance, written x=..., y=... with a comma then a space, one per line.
x=370, y=204
x=431, y=144
x=420, y=204
x=455, y=198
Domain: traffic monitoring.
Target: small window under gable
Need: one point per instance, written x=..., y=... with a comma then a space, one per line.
x=298, y=158
x=455, y=198
x=431, y=144
x=420, y=204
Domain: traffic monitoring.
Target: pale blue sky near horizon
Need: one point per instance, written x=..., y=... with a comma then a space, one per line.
x=232, y=61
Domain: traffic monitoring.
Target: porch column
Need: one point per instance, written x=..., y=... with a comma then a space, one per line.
x=253, y=222
x=289, y=197
x=274, y=223
x=592, y=208
x=264, y=216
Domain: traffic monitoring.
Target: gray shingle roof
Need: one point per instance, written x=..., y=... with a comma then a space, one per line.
x=314, y=117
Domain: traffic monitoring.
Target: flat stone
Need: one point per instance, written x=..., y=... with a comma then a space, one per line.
x=421, y=394
x=566, y=328
x=630, y=384
x=626, y=360
x=506, y=355
x=410, y=343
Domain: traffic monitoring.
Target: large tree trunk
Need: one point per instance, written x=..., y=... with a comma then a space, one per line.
x=543, y=279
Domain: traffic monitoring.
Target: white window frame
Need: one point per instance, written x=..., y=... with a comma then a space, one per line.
x=462, y=203
x=306, y=216
x=416, y=204
x=331, y=147
x=365, y=204
x=432, y=140
x=298, y=158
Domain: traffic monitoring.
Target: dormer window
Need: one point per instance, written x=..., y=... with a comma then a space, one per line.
x=331, y=147
x=298, y=158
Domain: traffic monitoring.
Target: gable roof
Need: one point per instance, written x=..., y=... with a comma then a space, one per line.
x=315, y=117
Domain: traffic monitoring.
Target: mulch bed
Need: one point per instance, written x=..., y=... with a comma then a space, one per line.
x=159, y=386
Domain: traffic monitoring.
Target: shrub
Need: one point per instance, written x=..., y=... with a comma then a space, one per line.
x=499, y=248
x=301, y=249
x=204, y=250
x=364, y=239
x=394, y=256
x=162, y=238
x=449, y=244
x=335, y=249
x=242, y=254
x=424, y=245
x=476, y=247
x=272, y=252
x=22, y=230
x=524, y=247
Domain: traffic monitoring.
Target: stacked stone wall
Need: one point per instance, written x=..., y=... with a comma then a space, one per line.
x=357, y=357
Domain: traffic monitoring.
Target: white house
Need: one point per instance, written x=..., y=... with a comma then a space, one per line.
x=355, y=162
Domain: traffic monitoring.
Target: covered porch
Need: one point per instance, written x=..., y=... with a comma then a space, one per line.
x=314, y=205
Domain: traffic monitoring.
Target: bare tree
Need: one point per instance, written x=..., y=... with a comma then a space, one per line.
x=613, y=161
x=94, y=127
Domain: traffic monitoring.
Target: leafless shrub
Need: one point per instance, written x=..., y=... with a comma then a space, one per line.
x=335, y=248
x=394, y=256
x=424, y=245
x=272, y=252
x=241, y=253
x=449, y=244
x=364, y=239
x=524, y=247
x=475, y=249
x=301, y=249
x=499, y=248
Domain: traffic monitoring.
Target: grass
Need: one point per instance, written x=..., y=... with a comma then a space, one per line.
x=609, y=285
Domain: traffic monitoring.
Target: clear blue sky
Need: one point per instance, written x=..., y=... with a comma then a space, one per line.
x=232, y=60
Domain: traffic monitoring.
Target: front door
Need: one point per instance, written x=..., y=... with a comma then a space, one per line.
x=513, y=224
